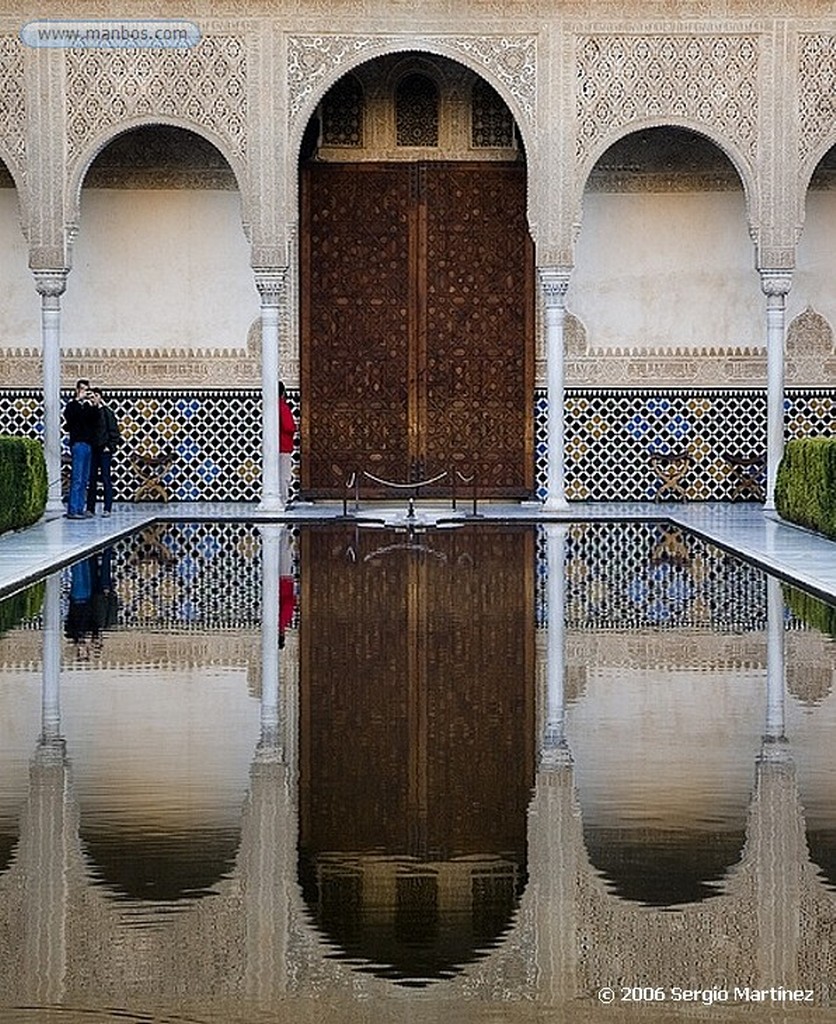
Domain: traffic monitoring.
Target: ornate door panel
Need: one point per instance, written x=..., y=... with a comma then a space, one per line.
x=476, y=335
x=356, y=326
x=417, y=326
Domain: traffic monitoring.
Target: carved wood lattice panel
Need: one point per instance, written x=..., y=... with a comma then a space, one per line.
x=417, y=326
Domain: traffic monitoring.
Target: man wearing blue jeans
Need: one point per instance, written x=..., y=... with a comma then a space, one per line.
x=82, y=420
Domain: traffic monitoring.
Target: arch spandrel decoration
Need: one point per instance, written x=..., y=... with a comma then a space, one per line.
x=205, y=86
x=13, y=105
x=816, y=83
x=315, y=63
x=695, y=79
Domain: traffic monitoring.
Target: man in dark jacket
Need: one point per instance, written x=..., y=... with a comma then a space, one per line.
x=82, y=420
x=108, y=439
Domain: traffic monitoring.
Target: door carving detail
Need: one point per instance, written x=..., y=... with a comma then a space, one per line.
x=417, y=326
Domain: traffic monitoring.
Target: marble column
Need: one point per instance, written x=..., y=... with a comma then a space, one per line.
x=554, y=282
x=775, y=285
x=50, y=285
x=271, y=285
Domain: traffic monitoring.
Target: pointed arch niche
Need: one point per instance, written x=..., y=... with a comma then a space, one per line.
x=664, y=259
x=161, y=261
x=416, y=285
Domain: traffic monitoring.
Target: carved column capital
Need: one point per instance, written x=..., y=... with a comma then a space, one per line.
x=50, y=284
x=271, y=283
x=555, y=283
x=776, y=283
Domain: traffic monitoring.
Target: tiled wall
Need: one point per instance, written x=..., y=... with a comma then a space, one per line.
x=214, y=438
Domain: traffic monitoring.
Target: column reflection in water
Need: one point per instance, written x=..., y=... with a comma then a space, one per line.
x=555, y=835
x=269, y=826
x=47, y=831
x=776, y=847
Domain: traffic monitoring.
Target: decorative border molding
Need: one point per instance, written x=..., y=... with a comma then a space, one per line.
x=810, y=361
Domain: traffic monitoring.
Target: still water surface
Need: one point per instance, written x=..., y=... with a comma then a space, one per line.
x=479, y=773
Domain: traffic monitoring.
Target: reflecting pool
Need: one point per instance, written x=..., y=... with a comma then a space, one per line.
x=476, y=773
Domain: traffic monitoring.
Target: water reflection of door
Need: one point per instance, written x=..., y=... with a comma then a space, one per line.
x=417, y=325
x=417, y=692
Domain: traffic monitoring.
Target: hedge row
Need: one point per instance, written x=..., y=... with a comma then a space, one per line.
x=23, y=486
x=805, y=487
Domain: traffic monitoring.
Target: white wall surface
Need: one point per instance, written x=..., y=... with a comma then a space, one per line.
x=159, y=269
x=20, y=323
x=665, y=270
x=814, y=280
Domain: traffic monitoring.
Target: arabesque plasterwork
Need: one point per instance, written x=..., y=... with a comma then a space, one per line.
x=312, y=62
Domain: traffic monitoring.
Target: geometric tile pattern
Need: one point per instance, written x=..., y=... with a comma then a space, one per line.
x=611, y=437
x=626, y=576
x=214, y=436
x=613, y=434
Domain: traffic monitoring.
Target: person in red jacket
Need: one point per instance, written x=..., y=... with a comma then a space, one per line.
x=287, y=430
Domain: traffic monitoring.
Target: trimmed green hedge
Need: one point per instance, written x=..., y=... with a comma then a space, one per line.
x=805, y=488
x=23, y=486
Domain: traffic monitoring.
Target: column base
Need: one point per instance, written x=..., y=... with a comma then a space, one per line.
x=271, y=503
x=555, y=505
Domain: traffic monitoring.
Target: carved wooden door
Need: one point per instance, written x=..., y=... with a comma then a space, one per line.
x=417, y=327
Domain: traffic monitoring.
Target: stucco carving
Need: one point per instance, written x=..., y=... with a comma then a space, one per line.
x=511, y=60
x=206, y=85
x=816, y=91
x=710, y=79
x=810, y=355
x=12, y=101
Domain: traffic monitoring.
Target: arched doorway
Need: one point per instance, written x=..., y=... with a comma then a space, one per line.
x=417, y=317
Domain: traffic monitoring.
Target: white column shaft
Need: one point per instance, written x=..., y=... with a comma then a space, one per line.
x=50, y=285
x=776, y=285
x=554, y=282
x=271, y=288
